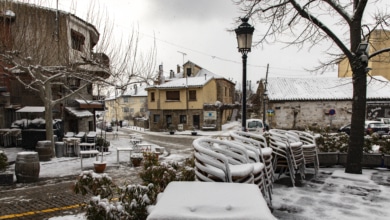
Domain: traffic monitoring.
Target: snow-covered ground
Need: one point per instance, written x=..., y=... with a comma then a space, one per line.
x=332, y=195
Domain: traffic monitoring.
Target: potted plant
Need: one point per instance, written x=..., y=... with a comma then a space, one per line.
x=136, y=159
x=171, y=129
x=6, y=178
x=193, y=132
x=102, y=143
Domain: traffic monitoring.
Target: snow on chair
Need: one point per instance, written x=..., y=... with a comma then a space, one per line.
x=287, y=153
x=214, y=162
x=257, y=143
x=309, y=149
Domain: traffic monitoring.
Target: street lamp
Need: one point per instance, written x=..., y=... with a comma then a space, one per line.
x=244, y=34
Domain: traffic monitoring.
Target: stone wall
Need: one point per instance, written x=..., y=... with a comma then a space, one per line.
x=300, y=114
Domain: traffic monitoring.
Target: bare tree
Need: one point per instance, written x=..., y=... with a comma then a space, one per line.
x=49, y=52
x=308, y=23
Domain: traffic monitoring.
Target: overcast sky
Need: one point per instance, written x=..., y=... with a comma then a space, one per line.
x=198, y=29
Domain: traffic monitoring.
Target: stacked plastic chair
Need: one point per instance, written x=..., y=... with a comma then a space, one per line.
x=288, y=155
x=309, y=149
x=259, y=144
x=215, y=161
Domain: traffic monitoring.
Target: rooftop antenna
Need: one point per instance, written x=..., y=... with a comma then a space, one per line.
x=184, y=54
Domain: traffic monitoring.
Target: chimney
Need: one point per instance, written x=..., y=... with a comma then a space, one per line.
x=205, y=76
x=171, y=74
x=178, y=69
x=160, y=77
x=135, y=89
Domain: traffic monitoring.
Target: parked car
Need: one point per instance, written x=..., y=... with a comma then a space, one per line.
x=370, y=127
x=104, y=126
x=385, y=121
x=255, y=125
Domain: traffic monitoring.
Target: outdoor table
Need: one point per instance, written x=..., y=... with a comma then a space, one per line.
x=118, y=149
x=210, y=200
x=147, y=147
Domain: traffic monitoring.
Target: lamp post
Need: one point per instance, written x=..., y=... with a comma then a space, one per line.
x=244, y=34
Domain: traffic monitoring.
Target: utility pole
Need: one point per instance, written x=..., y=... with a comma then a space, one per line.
x=265, y=94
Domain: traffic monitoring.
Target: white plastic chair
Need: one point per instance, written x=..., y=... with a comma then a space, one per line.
x=257, y=143
x=214, y=162
x=287, y=153
x=309, y=149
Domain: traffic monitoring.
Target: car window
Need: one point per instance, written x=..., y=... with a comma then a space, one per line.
x=252, y=124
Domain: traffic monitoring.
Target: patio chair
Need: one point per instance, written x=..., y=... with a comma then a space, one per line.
x=69, y=134
x=257, y=143
x=309, y=149
x=214, y=164
x=81, y=135
x=288, y=153
x=91, y=137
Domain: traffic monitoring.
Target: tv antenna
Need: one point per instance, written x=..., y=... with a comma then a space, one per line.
x=184, y=54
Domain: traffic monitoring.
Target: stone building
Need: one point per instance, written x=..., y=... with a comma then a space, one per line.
x=296, y=103
x=51, y=38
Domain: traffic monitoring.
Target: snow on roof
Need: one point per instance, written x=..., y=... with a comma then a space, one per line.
x=324, y=88
x=139, y=91
x=32, y=109
x=194, y=82
x=88, y=102
x=80, y=113
x=204, y=72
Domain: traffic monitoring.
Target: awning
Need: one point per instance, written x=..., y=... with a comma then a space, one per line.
x=89, y=104
x=79, y=113
x=32, y=109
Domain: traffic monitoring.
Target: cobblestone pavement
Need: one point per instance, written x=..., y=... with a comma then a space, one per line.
x=51, y=197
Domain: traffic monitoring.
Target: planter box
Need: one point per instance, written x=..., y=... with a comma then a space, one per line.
x=386, y=161
x=372, y=160
x=369, y=160
x=342, y=159
x=328, y=158
x=6, y=178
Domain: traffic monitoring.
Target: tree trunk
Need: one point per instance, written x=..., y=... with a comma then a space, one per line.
x=356, y=139
x=49, y=115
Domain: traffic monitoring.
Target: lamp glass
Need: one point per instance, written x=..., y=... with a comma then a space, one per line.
x=362, y=47
x=244, y=34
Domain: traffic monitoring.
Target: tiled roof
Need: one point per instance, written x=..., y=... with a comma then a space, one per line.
x=323, y=88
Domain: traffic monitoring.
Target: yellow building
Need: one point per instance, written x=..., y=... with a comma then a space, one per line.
x=128, y=105
x=194, y=98
x=379, y=39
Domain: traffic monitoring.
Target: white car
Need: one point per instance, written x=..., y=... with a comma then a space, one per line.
x=255, y=125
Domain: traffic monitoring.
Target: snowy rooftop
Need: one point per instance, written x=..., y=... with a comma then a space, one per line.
x=194, y=82
x=80, y=113
x=322, y=88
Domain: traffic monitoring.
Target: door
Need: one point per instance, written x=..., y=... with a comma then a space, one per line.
x=196, y=121
x=168, y=119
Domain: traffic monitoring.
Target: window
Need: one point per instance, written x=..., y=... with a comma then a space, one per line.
x=132, y=110
x=125, y=109
x=152, y=96
x=173, y=95
x=189, y=72
x=183, y=119
x=142, y=109
x=125, y=99
x=77, y=40
x=156, y=118
x=192, y=94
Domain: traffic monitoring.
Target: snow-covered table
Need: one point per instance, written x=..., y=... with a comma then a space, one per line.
x=210, y=200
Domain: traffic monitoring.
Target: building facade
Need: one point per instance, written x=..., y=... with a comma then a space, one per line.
x=297, y=103
x=379, y=65
x=194, y=98
x=52, y=38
